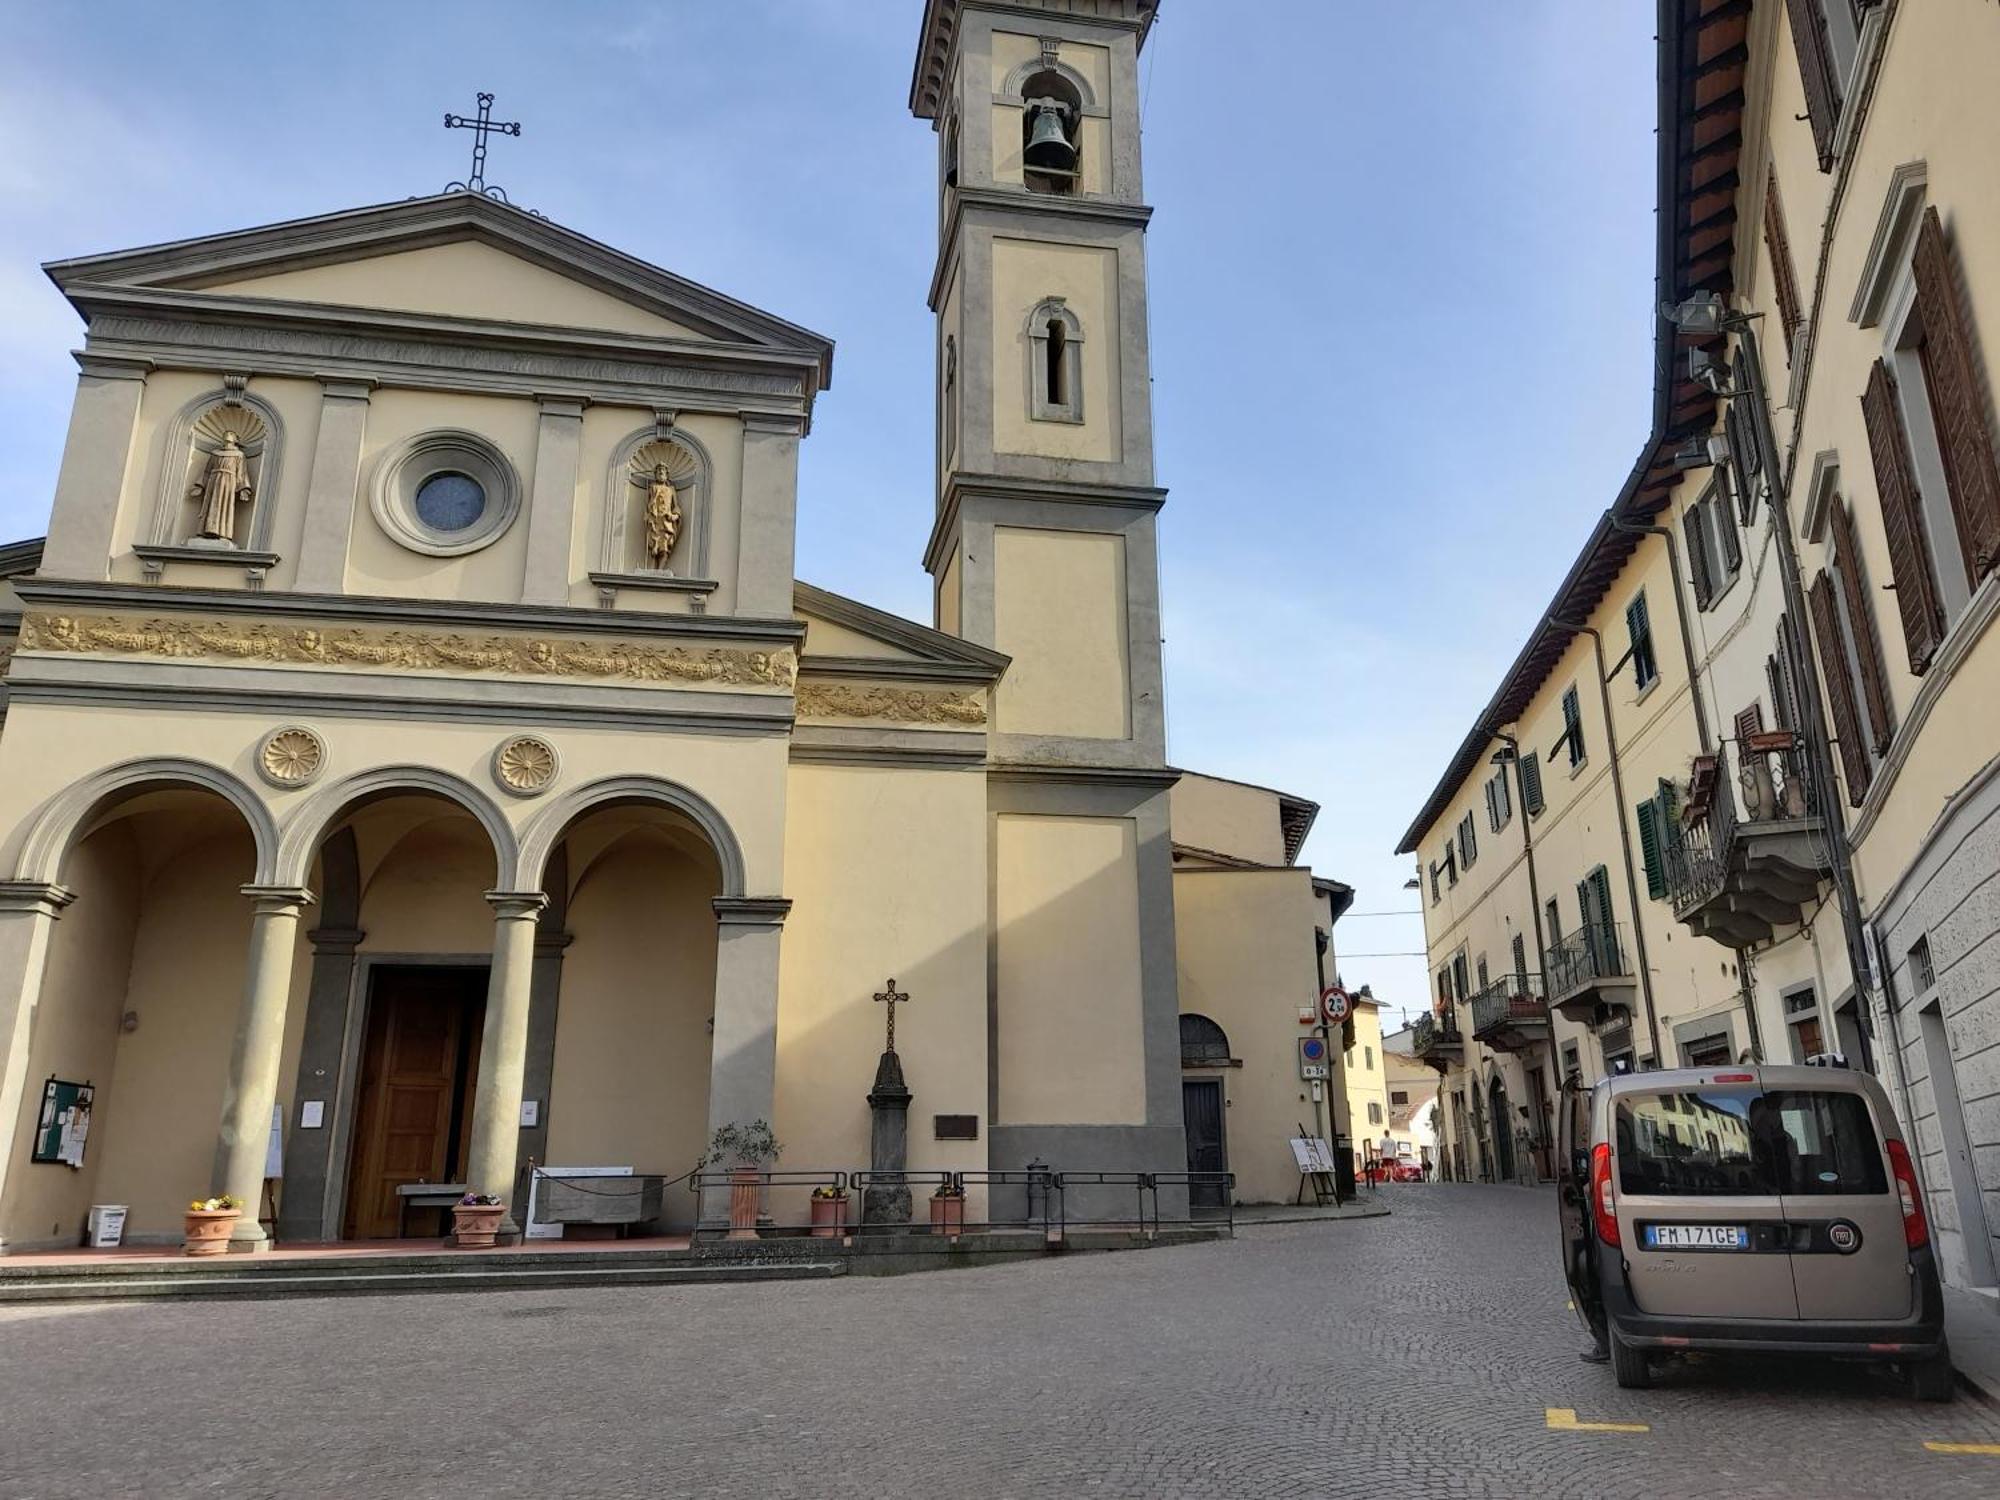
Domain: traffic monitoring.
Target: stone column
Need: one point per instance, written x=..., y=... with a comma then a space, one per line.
x=28, y=912
x=743, y=1059
x=334, y=489
x=552, y=502
x=888, y=1145
x=503, y=1049
x=254, y=1060
x=306, y=1211
x=92, y=478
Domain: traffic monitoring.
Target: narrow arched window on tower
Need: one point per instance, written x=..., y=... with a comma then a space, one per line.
x=1057, y=373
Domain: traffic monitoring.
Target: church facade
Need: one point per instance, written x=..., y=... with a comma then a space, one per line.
x=416, y=735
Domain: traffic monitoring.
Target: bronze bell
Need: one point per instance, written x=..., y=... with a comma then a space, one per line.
x=1049, y=148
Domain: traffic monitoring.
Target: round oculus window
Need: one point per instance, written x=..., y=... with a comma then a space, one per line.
x=450, y=501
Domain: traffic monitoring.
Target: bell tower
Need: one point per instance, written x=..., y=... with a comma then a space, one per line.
x=1044, y=547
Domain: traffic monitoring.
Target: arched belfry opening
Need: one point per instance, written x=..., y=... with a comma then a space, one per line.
x=1051, y=130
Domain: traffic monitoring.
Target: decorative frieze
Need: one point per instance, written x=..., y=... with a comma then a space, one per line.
x=834, y=700
x=405, y=650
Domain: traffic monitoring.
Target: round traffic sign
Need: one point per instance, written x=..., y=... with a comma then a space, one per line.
x=1334, y=1004
x=1312, y=1049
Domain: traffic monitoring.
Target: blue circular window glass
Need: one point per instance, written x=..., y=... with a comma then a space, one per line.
x=450, y=502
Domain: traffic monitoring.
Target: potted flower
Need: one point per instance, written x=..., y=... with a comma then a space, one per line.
x=743, y=1149
x=208, y=1223
x=475, y=1221
x=829, y=1212
x=948, y=1209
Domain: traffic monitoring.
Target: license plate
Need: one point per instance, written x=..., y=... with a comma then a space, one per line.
x=1697, y=1237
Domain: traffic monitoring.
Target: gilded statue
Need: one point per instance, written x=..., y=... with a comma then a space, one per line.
x=224, y=485
x=663, y=516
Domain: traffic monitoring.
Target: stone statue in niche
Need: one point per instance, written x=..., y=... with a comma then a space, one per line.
x=224, y=485
x=663, y=516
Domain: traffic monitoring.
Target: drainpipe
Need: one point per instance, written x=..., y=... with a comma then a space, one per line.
x=1624, y=835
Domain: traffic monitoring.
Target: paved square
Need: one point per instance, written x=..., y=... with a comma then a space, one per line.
x=1410, y=1356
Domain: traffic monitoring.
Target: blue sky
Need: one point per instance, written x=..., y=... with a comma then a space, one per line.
x=1401, y=284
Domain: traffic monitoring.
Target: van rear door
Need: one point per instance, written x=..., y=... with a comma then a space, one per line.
x=1849, y=1258
x=1701, y=1221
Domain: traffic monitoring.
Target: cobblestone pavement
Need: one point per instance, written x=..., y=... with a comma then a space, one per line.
x=1415, y=1355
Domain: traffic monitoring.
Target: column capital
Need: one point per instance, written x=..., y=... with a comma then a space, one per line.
x=112, y=366
x=516, y=906
x=278, y=900
x=751, y=911
x=335, y=939
x=562, y=406
x=41, y=897
x=346, y=387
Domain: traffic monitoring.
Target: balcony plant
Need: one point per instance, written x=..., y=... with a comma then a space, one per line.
x=208, y=1223
x=829, y=1211
x=948, y=1209
x=743, y=1150
x=475, y=1221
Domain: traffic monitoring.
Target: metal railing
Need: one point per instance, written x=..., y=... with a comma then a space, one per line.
x=1511, y=997
x=1762, y=778
x=1593, y=953
x=1430, y=1034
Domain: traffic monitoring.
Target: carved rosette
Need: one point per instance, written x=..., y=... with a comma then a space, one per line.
x=526, y=765
x=291, y=756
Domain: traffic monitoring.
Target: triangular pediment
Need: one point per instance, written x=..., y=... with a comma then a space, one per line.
x=854, y=639
x=454, y=256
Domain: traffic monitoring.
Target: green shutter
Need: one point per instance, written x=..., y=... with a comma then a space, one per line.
x=1531, y=782
x=1649, y=849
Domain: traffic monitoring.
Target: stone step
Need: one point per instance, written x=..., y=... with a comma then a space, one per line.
x=296, y=1278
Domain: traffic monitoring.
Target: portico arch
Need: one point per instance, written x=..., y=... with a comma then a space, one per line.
x=550, y=825
x=65, y=816
x=307, y=828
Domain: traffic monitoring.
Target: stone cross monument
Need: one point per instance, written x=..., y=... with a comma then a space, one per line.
x=887, y=1201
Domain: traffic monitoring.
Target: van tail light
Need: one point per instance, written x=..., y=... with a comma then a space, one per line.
x=1916, y=1229
x=1603, y=1207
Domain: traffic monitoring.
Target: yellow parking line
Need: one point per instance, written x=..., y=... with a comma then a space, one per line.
x=1991, y=1450
x=1563, y=1419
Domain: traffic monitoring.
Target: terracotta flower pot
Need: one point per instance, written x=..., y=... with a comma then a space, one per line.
x=948, y=1216
x=476, y=1226
x=829, y=1218
x=206, y=1231
x=743, y=1186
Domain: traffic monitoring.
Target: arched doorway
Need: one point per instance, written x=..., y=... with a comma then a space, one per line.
x=1503, y=1130
x=1204, y=1048
x=133, y=1024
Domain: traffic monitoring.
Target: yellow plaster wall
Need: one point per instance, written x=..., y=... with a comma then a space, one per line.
x=632, y=1040
x=950, y=606
x=1366, y=1079
x=1245, y=959
x=468, y=279
x=73, y=1035
x=1226, y=817
x=426, y=893
x=887, y=874
x=1059, y=612
x=1066, y=909
x=1086, y=278
x=824, y=638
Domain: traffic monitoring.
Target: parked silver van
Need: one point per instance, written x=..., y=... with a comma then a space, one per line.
x=1748, y=1208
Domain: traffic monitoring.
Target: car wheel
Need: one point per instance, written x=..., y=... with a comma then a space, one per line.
x=1932, y=1379
x=1632, y=1367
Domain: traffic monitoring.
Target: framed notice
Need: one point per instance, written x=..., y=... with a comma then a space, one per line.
x=63, y=1126
x=1312, y=1154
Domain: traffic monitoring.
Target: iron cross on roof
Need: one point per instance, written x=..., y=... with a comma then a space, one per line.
x=481, y=127
x=892, y=997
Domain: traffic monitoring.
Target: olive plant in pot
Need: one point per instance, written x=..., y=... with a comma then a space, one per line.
x=475, y=1221
x=743, y=1150
x=829, y=1211
x=208, y=1223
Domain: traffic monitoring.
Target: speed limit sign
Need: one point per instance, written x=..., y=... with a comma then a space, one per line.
x=1334, y=1004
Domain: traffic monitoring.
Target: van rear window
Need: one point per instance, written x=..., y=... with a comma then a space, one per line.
x=1724, y=1143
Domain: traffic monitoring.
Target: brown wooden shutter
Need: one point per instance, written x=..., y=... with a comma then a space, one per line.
x=1816, y=71
x=1957, y=401
x=1784, y=275
x=1861, y=627
x=1839, y=696
x=1909, y=551
x=1749, y=721
x=1697, y=549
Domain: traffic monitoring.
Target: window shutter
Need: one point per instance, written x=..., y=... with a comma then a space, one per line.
x=1816, y=71
x=1784, y=276
x=1839, y=696
x=1749, y=721
x=1531, y=782
x=1956, y=400
x=1743, y=455
x=1693, y=525
x=1789, y=657
x=1861, y=627
x=1774, y=684
x=1520, y=962
x=1909, y=551
x=1649, y=849
x=1724, y=521
x=1600, y=883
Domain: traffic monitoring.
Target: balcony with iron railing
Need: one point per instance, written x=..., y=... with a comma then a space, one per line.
x=1749, y=850
x=1589, y=972
x=1510, y=1015
x=1436, y=1041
